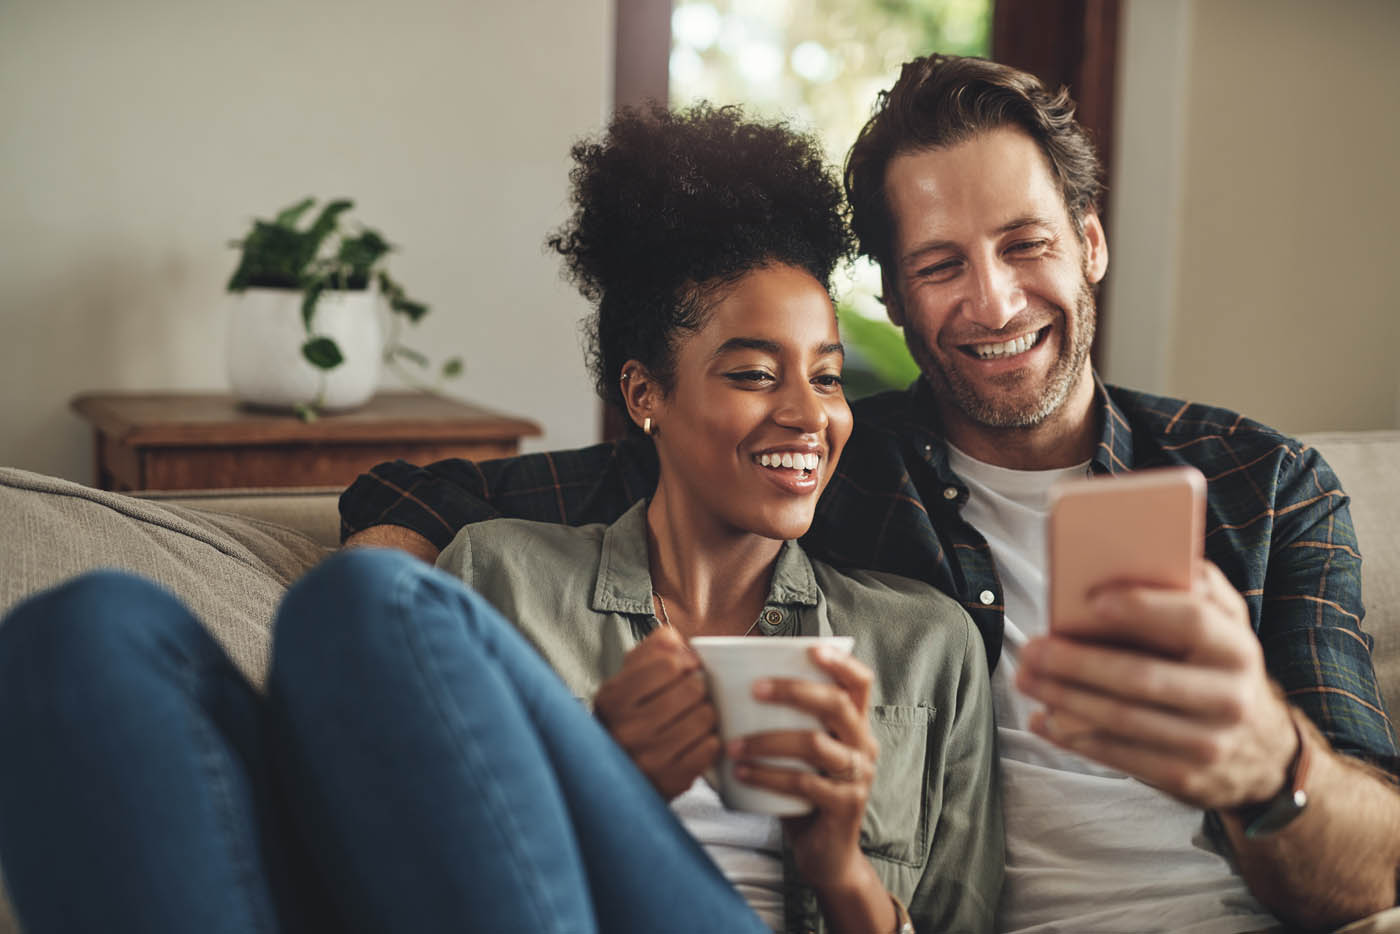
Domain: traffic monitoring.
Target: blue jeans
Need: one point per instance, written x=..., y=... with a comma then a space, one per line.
x=414, y=766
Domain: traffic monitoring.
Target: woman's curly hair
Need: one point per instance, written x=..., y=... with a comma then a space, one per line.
x=672, y=206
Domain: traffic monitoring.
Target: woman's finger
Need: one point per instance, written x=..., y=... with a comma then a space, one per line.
x=829, y=703
x=849, y=672
x=822, y=752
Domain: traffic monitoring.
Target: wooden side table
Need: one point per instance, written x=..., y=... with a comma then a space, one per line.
x=207, y=441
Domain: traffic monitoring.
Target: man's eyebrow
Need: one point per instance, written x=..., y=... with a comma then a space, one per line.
x=1027, y=220
x=772, y=347
x=934, y=246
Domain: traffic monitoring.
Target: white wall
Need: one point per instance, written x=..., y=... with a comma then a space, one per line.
x=1260, y=218
x=138, y=138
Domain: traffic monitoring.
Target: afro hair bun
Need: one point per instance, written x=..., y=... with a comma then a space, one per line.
x=668, y=203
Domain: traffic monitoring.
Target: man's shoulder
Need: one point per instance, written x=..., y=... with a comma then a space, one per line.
x=1166, y=417
x=1208, y=436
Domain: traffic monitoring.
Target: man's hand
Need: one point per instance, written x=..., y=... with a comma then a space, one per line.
x=1179, y=700
x=658, y=709
x=394, y=536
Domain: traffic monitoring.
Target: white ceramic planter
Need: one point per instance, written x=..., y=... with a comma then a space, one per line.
x=265, y=335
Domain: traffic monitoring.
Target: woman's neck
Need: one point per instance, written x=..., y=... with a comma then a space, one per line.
x=713, y=578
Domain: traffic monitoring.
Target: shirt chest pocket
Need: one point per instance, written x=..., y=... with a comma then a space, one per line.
x=898, y=813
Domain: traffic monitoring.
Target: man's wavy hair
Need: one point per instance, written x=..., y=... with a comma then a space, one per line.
x=944, y=100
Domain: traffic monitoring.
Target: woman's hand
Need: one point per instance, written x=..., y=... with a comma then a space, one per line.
x=658, y=709
x=826, y=842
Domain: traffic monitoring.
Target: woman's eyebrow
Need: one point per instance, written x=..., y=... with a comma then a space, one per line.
x=772, y=347
x=748, y=343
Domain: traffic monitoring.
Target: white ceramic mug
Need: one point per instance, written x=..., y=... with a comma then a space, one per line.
x=732, y=665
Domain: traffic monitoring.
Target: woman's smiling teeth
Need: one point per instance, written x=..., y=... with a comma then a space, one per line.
x=1005, y=349
x=790, y=460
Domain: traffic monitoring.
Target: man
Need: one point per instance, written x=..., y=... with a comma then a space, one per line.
x=976, y=192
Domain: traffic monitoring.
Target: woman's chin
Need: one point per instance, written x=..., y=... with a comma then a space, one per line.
x=781, y=524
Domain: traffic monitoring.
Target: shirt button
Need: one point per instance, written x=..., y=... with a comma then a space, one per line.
x=987, y=598
x=772, y=617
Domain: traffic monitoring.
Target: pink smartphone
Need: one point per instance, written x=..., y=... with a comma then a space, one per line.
x=1146, y=527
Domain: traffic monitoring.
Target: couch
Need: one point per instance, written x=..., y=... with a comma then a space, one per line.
x=230, y=555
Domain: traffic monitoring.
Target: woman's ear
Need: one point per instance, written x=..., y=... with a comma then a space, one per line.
x=641, y=394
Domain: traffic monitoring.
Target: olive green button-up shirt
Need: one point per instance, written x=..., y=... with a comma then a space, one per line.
x=933, y=824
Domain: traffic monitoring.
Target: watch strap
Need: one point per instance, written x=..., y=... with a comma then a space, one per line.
x=1272, y=815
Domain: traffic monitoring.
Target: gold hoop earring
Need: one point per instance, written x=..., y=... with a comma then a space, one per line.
x=646, y=425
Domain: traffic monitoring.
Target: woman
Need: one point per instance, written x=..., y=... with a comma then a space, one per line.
x=416, y=766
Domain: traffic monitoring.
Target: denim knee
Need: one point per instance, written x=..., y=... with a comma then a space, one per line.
x=337, y=622
x=105, y=617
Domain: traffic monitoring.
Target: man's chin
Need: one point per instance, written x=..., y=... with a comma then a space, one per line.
x=1010, y=403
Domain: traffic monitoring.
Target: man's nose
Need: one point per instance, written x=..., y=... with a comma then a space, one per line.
x=996, y=296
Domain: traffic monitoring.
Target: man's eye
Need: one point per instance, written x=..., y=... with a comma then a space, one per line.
x=1028, y=246
x=939, y=270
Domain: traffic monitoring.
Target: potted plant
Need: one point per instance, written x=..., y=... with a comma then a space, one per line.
x=307, y=335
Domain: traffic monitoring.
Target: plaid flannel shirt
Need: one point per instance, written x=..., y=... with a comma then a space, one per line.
x=1277, y=525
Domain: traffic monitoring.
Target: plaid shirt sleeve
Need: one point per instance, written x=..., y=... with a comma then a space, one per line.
x=1311, y=613
x=593, y=484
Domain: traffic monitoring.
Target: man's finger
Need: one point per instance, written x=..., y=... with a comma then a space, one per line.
x=1175, y=623
x=1051, y=666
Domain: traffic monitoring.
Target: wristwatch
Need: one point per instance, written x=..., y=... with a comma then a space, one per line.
x=1278, y=812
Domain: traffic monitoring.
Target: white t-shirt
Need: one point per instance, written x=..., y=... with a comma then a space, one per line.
x=747, y=848
x=1087, y=848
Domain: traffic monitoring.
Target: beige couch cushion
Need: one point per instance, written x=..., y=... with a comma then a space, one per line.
x=1368, y=464
x=231, y=571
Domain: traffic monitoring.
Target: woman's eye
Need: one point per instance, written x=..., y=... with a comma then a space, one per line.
x=828, y=380
x=751, y=376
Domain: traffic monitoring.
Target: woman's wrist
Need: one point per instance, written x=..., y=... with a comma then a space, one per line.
x=857, y=901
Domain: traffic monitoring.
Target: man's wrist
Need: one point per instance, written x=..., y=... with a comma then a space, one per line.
x=1286, y=804
x=394, y=536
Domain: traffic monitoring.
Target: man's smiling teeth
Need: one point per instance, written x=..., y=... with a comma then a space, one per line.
x=992, y=351
x=790, y=460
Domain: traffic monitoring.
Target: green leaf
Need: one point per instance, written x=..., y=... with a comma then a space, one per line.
x=272, y=258
x=324, y=226
x=360, y=253
x=390, y=289
x=288, y=217
x=308, y=302
x=452, y=368
x=414, y=310
x=306, y=411
x=322, y=352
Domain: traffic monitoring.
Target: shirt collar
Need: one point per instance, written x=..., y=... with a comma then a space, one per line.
x=624, y=570
x=1113, y=454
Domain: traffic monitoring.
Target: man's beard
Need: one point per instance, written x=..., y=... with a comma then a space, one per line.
x=999, y=411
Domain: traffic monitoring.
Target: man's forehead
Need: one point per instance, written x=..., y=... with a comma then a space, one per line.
x=973, y=188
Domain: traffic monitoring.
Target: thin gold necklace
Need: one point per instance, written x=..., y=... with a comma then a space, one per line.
x=666, y=618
